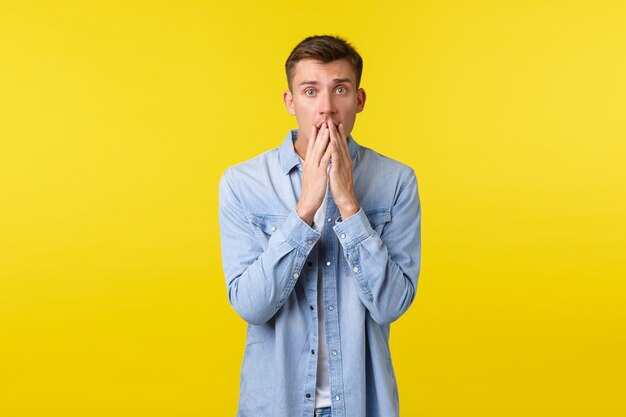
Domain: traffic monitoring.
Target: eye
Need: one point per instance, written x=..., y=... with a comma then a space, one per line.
x=309, y=92
x=341, y=90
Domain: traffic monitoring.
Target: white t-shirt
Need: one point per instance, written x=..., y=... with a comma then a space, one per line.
x=322, y=385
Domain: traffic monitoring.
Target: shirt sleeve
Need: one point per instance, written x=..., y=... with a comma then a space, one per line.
x=385, y=267
x=259, y=280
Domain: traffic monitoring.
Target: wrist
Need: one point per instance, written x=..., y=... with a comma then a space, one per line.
x=305, y=213
x=349, y=209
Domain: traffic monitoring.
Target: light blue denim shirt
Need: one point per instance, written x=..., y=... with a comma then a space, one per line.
x=370, y=264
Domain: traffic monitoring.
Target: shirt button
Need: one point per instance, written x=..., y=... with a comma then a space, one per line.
x=312, y=352
x=331, y=308
x=309, y=263
x=273, y=228
x=308, y=395
x=311, y=307
x=310, y=242
x=329, y=220
x=337, y=397
x=328, y=263
x=296, y=275
x=334, y=352
x=355, y=269
x=343, y=235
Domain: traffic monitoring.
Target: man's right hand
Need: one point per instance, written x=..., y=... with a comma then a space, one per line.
x=314, y=173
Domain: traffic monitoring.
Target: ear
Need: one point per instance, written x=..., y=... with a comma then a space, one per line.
x=288, y=99
x=360, y=100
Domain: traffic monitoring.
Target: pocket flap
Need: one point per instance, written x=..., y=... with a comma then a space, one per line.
x=268, y=223
x=378, y=216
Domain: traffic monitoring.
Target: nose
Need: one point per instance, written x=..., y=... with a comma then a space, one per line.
x=327, y=105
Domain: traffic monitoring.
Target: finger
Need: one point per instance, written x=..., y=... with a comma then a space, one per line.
x=315, y=144
x=327, y=155
x=334, y=134
x=321, y=143
x=342, y=133
x=334, y=138
x=335, y=155
x=342, y=143
x=346, y=146
x=309, y=146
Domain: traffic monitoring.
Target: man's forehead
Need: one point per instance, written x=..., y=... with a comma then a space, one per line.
x=313, y=71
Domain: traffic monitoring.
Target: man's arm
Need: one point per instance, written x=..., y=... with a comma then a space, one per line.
x=259, y=281
x=385, y=267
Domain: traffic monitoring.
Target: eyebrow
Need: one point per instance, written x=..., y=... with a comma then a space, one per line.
x=336, y=81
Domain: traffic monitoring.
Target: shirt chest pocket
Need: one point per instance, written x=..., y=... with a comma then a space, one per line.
x=265, y=225
x=378, y=218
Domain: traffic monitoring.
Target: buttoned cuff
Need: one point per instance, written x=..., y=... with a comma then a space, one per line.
x=353, y=230
x=299, y=234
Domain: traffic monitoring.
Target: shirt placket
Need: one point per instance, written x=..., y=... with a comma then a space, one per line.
x=331, y=272
x=308, y=407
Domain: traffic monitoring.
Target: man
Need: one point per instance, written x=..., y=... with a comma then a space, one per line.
x=321, y=251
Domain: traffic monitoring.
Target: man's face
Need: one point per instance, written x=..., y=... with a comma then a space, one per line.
x=324, y=92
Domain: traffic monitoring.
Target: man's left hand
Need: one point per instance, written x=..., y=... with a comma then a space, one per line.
x=341, y=181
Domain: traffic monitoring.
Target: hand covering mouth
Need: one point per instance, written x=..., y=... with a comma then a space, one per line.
x=319, y=124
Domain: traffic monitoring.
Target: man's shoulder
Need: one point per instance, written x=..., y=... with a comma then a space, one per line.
x=380, y=180
x=254, y=167
x=254, y=184
x=383, y=165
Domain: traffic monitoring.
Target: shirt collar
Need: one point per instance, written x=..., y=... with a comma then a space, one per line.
x=289, y=158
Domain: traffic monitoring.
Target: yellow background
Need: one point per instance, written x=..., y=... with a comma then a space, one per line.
x=117, y=119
